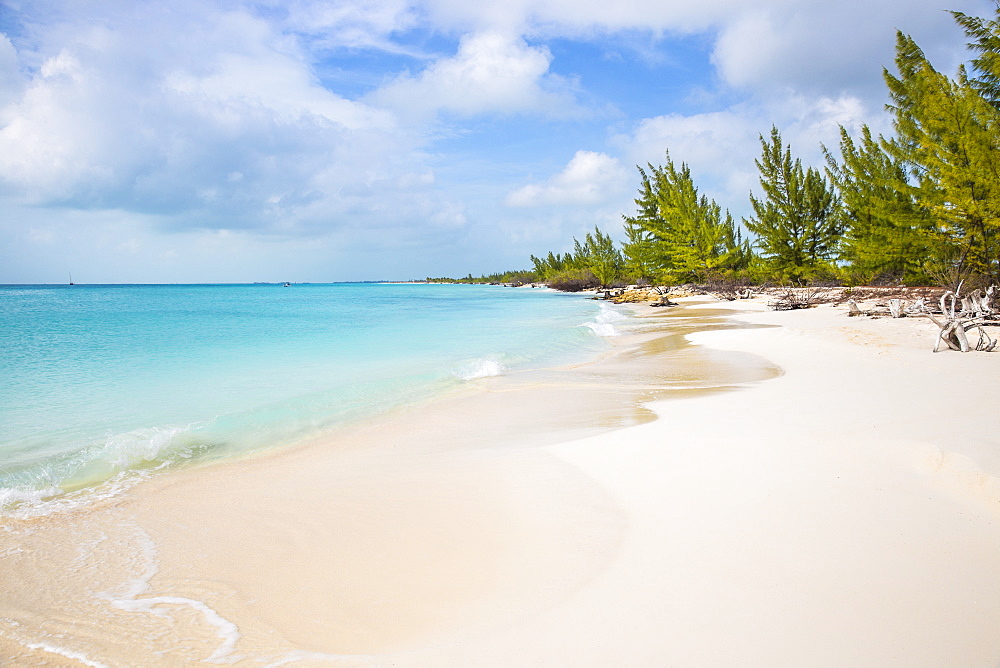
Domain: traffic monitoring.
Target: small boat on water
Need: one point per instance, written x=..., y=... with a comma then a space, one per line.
x=287, y=285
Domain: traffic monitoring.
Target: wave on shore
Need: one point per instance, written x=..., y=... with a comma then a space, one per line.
x=482, y=368
x=604, y=324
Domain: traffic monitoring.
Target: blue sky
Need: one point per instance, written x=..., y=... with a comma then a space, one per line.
x=300, y=140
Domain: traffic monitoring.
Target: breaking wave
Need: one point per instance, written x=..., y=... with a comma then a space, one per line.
x=112, y=463
x=603, y=324
x=482, y=368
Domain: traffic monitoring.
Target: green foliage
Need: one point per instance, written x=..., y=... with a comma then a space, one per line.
x=517, y=277
x=574, y=280
x=594, y=262
x=553, y=264
x=639, y=252
x=599, y=255
x=948, y=134
x=798, y=222
x=985, y=42
x=678, y=234
x=888, y=234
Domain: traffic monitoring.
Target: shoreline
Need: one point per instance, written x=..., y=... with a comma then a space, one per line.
x=707, y=535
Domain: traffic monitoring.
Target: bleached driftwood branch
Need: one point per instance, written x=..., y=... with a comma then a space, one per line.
x=791, y=298
x=963, y=314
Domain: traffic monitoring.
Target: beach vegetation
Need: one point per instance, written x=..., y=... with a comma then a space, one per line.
x=599, y=254
x=888, y=235
x=516, y=277
x=678, y=234
x=574, y=280
x=597, y=261
x=948, y=134
x=798, y=218
x=920, y=205
x=552, y=264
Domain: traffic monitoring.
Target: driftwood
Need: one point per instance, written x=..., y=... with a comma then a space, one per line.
x=853, y=309
x=727, y=294
x=917, y=307
x=961, y=315
x=957, y=317
x=979, y=304
x=792, y=299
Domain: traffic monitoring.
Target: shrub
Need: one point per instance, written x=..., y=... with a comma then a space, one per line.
x=574, y=280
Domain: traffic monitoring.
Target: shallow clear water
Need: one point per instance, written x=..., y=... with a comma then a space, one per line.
x=100, y=382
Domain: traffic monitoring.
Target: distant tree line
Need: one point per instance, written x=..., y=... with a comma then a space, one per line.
x=519, y=277
x=920, y=206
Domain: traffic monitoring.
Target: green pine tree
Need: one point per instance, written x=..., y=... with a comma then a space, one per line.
x=985, y=42
x=600, y=255
x=948, y=133
x=887, y=235
x=678, y=234
x=798, y=222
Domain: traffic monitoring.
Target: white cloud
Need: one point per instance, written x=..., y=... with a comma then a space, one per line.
x=106, y=123
x=348, y=23
x=275, y=84
x=578, y=17
x=492, y=72
x=589, y=178
x=719, y=147
x=824, y=47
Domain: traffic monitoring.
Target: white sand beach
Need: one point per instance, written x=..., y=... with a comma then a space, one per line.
x=846, y=513
x=844, y=510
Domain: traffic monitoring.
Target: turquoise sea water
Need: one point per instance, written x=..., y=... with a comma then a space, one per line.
x=109, y=383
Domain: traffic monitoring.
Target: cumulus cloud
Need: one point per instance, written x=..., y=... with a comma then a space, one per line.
x=718, y=146
x=492, y=72
x=224, y=126
x=824, y=48
x=589, y=178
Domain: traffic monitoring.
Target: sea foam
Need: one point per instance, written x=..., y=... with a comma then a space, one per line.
x=603, y=324
x=127, y=597
x=482, y=368
x=69, y=654
x=15, y=496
